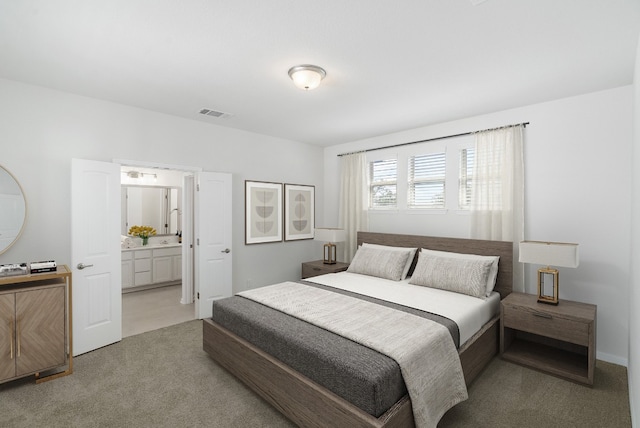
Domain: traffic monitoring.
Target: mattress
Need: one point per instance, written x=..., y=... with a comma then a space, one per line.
x=362, y=376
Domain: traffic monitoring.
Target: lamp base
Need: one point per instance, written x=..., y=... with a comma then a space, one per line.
x=329, y=257
x=548, y=286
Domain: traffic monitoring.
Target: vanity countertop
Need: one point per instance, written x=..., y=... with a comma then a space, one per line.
x=153, y=246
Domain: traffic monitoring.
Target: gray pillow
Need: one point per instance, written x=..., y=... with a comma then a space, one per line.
x=466, y=276
x=378, y=262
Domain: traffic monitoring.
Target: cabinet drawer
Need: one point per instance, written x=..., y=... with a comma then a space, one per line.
x=143, y=265
x=142, y=278
x=143, y=254
x=163, y=252
x=546, y=324
x=126, y=255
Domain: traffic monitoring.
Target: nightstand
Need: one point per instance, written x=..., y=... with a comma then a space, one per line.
x=559, y=340
x=318, y=267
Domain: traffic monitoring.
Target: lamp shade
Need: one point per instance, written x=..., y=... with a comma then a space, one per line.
x=330, y=235
x=549, y=253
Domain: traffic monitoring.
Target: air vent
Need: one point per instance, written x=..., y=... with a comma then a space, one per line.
x=214, y=113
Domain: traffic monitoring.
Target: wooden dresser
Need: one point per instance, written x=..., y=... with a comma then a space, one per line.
x=35, y=325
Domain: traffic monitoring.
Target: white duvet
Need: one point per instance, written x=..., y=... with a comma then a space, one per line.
x=469, y=313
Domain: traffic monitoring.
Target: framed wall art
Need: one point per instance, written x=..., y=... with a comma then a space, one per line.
x=263, y=212
x=299, y=212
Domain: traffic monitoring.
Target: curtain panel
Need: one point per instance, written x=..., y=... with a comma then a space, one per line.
x=354, y=193
x=497, y=196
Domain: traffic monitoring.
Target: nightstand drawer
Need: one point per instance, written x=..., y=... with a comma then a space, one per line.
x=546, y=324
x=315, y=268
x=310, y=271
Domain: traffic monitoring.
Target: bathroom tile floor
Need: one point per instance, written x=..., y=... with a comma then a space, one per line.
x=152, y=309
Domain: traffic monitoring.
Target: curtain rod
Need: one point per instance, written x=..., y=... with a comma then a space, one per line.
x=524, y=124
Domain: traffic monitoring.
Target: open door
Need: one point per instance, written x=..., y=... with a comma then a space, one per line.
x=95, y=254
x=213, y=272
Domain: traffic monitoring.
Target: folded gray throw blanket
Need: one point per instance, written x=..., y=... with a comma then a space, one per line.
x=423, y=349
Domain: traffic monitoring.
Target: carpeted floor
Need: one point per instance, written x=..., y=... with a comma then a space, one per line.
x=164, y=379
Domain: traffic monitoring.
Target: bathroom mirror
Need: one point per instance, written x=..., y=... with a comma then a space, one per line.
x=153, y=206
x=13, y=210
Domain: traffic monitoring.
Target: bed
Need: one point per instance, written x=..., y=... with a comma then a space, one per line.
x=307, y=402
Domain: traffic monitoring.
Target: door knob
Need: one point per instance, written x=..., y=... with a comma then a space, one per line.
x=82, y=266
x=226, y=250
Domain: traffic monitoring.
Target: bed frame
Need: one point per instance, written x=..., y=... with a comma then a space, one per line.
x=308, y=404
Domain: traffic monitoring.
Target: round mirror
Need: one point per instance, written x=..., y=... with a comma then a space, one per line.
x=13, y=210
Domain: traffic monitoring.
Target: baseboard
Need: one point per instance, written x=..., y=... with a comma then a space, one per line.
x=613, y=359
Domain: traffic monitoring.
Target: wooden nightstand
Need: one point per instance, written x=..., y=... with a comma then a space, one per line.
x=560, y=340
x=317, y=267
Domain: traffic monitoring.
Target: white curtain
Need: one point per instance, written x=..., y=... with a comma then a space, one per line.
x=354, y=191
x=497, y=196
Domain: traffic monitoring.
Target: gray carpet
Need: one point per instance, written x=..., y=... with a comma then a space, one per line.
x=164, y=379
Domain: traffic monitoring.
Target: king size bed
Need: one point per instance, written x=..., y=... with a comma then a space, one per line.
x=319, y=375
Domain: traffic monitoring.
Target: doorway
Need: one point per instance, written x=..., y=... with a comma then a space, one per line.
x=157, y=288
x=96, y=253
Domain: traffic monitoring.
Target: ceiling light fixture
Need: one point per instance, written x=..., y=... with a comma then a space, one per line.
x=140, y=175
x=307, y=76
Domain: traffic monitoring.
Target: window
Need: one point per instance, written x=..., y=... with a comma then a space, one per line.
x=430, y=178
x=383, y=187
x=427, y=181
x=467, y=159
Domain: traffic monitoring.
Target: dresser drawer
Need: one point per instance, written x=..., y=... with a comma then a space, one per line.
x=546, y=324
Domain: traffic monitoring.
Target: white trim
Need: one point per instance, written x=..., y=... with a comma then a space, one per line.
x=613, y=359
x=147, y=164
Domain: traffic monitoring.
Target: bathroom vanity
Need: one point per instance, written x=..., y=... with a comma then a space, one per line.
x=150, y=266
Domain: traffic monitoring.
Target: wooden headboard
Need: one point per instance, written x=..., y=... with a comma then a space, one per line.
x=504, y=249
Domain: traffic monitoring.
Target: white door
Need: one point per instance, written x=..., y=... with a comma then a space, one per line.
x=95, y=254
x=213, y=273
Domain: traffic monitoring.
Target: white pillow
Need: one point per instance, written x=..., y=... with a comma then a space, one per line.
x=460, y=275
x=493, y=272
x=411, y=251
x=379, y=262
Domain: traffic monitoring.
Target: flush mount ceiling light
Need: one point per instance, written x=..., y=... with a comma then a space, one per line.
x=307, y=76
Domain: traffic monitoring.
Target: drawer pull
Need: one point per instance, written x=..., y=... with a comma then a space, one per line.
x=18, y=338
x=11, y=340
x=316, y=269
x=542, y=315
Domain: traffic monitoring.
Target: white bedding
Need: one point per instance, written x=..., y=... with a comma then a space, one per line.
x=469, y=313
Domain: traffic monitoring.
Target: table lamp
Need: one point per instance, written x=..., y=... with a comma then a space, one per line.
x=549, y=254
x=330, y=236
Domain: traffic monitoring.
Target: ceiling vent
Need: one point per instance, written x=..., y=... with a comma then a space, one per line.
x=214, y=113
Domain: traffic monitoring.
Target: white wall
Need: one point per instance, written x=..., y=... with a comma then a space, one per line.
x=41, y=130
x=634, y=287
x=578, y=187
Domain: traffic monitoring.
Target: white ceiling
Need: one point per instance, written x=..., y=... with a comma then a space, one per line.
x=391, y=65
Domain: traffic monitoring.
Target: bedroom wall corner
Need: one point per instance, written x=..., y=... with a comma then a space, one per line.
x=634, y=286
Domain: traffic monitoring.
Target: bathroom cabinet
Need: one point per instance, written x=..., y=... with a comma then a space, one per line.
x=151, y=266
